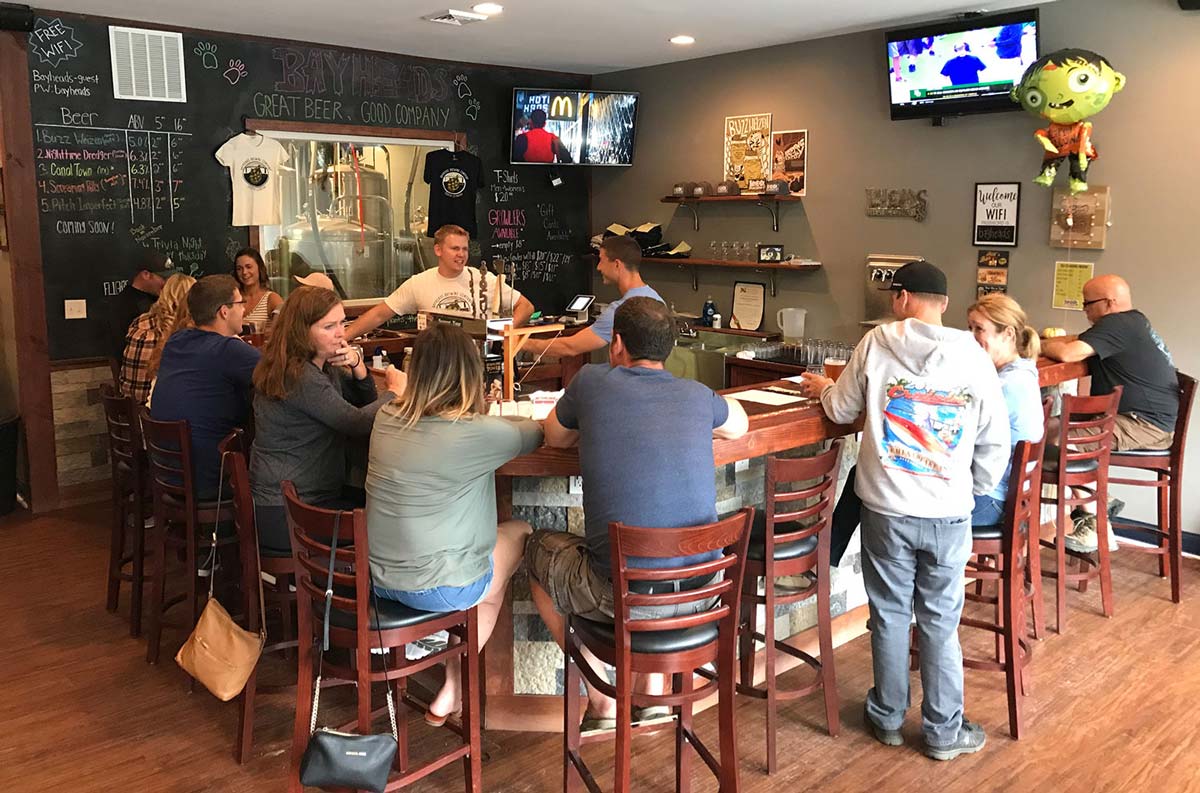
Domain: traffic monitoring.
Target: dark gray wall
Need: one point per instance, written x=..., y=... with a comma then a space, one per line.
x=836, y=89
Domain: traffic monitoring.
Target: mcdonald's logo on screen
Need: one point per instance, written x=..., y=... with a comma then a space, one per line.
x=564, y=107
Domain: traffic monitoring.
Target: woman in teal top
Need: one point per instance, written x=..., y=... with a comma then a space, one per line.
x=431, y=493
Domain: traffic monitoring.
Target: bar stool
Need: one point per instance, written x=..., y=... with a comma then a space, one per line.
x=256, y=563
x=1002, y=553
x=1079, y=464
x=676, y=646
x=128, y=458
x=1167, y=467
x=791, y=539
x=360, y=622
x=180, y=521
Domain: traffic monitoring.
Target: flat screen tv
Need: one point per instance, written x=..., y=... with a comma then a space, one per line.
x=962, y=66
x=556, y=126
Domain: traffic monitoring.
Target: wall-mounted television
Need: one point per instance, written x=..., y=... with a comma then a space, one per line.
x=961, y=66
x=556, y=126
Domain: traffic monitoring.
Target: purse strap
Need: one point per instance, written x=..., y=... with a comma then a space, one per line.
x=212, y=573
x=312, y=727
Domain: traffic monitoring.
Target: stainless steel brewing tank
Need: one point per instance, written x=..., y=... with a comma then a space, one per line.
x=360, y=258
x=340, y=180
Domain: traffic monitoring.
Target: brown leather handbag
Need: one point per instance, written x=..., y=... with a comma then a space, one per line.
x=219, y=652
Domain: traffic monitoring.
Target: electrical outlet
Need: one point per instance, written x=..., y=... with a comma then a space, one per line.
x=741, y=465
x=575, y=485
x=75, y=309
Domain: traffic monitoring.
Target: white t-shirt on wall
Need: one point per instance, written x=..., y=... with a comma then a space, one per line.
x=429, y=291
x=253, y=162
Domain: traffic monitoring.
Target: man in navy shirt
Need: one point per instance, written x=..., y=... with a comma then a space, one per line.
x=963, y=69
x=645, y=450
x=205, y=376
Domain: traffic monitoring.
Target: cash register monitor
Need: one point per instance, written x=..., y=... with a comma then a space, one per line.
x=577, y=309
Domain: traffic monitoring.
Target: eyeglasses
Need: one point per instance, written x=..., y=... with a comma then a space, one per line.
x=1087, y=303
x=236, y=303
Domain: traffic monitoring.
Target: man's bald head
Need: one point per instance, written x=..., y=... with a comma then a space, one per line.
x=1106, y=294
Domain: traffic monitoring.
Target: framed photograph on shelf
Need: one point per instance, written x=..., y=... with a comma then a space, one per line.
x=770, y=254
x=997, y=206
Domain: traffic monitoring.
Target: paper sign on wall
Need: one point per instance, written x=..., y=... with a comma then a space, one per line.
x=1069, y=278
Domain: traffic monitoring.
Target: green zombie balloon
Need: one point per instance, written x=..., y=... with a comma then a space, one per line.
x=1066, y=88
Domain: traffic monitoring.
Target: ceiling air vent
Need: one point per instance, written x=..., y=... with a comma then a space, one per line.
x=457, y=18
x=147, y=64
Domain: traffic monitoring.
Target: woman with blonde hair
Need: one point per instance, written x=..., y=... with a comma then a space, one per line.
x=1000, y=327
x=312, y=394
x=431, y=493
x=148, y=333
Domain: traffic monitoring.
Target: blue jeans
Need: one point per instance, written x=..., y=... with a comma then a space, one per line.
x=443, y=598
x=916, y=564
x=988, y=511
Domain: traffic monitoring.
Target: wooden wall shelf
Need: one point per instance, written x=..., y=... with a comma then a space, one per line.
x=768, y=200
x=771, y=268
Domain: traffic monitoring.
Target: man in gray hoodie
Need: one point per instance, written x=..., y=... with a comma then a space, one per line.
x=935, y=432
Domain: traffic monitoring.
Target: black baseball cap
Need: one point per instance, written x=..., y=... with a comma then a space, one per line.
x=919, y=276
x=156, y=262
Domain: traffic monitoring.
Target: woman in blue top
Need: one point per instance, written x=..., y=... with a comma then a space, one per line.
x=999, y=325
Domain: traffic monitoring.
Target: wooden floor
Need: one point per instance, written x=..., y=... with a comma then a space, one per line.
x=1113, y=706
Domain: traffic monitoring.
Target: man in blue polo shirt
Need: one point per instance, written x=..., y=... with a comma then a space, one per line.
x=619, y=265
x=645, y=451
x=205, y=376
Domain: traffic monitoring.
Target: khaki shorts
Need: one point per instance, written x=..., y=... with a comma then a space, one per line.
x=1134, y=432
x=561, y=564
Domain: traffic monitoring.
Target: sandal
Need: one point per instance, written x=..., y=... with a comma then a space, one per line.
x=597, y=723
x=433, y=720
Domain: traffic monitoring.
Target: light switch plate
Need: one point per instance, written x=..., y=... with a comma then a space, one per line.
x=75, y=309
x=741, y=465
x=575, y=485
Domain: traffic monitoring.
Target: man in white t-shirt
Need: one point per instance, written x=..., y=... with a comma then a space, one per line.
x=450, y=287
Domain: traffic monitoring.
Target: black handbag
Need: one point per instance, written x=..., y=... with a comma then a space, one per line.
x=336, y=759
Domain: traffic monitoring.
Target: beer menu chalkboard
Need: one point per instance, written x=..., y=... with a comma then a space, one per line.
x=117, y=176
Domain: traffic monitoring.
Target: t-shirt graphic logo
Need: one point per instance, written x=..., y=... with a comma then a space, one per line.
x=922, y=427
x=454, y=182
x=256, y=172
x=454, y=301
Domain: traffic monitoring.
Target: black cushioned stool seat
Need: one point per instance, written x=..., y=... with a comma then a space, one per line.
x=791, y=550
x=650, y=641
x=992, y=532
x=386, y=615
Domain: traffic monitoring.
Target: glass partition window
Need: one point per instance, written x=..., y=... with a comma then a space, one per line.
x=353, y=208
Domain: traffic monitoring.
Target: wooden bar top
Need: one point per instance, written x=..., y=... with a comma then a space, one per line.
x=772, y=428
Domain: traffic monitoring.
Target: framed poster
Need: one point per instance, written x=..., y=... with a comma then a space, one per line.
x=997, y=205
x=747, y=151
x=1069, y=278
x=789, y=158
x=1080, y=220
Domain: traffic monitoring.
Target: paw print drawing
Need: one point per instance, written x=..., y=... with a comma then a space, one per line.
x=473, y=109
x=208, y=55
x=460, y=82
x=235, y=72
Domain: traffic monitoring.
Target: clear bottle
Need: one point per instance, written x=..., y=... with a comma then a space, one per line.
x=706, y=314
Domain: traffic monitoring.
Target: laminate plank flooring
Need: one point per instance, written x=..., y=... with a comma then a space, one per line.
x=1112, y=706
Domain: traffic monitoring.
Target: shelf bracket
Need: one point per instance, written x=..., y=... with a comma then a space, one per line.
x=695, y=215
x=771, y=279
x=772, y=206
x=695, y=278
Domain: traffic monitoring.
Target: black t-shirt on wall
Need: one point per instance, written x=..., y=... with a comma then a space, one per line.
x=453, y=177
x=1130, y=353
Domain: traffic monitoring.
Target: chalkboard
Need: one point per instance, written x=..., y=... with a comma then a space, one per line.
x=116, y=176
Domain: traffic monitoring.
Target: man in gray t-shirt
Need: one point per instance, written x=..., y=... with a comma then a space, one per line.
x=645, y=450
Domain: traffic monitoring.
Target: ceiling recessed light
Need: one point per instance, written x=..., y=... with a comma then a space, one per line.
x=682, y=40
x=491, y=9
